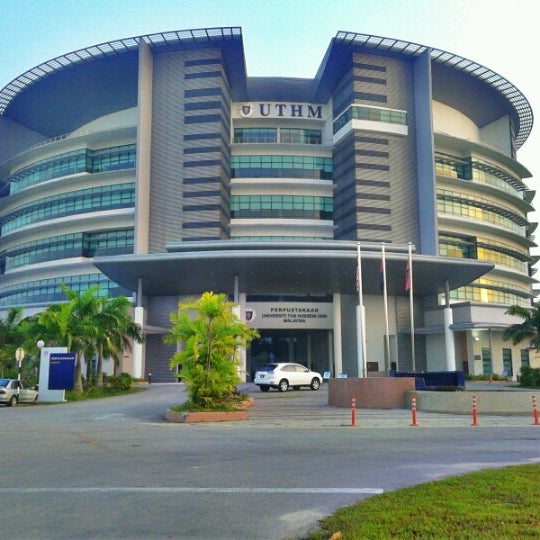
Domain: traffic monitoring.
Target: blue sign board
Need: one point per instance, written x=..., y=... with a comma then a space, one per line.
x=61, y=371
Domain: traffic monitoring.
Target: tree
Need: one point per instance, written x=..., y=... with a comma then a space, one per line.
x=211, y=335
x=11, y=336
x=90, y=324
x=72, y=325
x=116, y=331
x=528, y=330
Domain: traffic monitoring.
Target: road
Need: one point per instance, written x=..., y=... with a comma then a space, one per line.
x=114, y=468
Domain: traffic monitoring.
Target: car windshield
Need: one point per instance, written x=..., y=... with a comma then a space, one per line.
x=268, y=367
x=4, y=382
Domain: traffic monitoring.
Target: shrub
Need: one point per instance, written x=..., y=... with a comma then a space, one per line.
x=119, y=382
x=529, y=376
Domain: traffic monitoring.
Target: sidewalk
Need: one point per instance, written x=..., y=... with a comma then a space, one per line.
x=306, y=409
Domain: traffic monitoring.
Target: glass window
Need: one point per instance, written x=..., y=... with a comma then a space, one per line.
x=282, y=206
x=75, y=162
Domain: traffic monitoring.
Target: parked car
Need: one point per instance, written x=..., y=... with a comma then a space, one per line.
x=13, y=391
x=285, y=375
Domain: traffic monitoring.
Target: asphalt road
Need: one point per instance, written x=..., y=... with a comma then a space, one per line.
x=114, y=468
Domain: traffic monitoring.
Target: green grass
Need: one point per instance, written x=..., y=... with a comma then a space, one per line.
x=491, y=504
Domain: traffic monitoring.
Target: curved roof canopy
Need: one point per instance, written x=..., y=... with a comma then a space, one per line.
x=473, y=69
x=287, y=268
x=231, y=39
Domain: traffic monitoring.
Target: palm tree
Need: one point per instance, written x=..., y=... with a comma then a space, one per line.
x=116, y=331
x=11, y=335
x=72, y=325
x=211, y=335
x=528, y=330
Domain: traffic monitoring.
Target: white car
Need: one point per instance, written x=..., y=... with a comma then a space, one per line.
x=285, y=375
x=13, y=391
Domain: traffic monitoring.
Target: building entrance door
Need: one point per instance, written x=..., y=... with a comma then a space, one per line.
x=307, y=347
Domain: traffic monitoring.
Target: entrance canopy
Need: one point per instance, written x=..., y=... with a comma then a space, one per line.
x=284, y=267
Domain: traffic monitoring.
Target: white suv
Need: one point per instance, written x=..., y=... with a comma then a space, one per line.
x=286, y=375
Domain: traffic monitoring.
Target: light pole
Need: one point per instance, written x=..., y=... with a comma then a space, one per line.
x=19, y=355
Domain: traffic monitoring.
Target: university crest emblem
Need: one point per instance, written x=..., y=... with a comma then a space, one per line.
x=245, y=110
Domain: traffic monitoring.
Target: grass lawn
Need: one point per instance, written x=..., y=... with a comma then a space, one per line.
x=490, y=504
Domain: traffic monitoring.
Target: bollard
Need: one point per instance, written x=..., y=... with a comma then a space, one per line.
x=535, y=412
x=149, y=378
x=353, y=412
x=474, y=412
x=413, y=408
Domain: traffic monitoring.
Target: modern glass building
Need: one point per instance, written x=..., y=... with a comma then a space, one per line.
x=155, y=167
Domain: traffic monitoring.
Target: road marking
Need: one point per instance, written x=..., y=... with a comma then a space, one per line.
x=309, y=490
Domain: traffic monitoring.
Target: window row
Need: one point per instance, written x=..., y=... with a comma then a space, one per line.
x=281, y=167
x=64, y=246
x=282, y=206
x=275, y=135
x=485, y=295
x=374, y=114
x=474, y=209
x=46, y=291
x=77, y=161
x=473, y=248
x=466, y=169
x=82, y=201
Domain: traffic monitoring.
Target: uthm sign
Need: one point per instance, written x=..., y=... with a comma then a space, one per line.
x=281, y=110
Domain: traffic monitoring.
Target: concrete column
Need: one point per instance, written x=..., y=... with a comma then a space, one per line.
x=338, y=353
x=308, y=351
x=450, y=348
x=241, y=301
x=144, y=141
x=137, y=350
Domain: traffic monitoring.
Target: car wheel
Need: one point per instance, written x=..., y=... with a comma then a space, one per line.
x=264, y=387
x=12, y=401
x=315, y=384
x=283, y=385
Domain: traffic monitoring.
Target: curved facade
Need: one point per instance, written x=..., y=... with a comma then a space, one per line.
x=155, y=167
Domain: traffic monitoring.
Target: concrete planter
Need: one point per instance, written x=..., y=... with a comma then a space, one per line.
x=211, y=416
x=370, y=393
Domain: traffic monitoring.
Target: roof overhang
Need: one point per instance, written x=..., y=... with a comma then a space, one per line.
x=286, y=268
x=338, y=55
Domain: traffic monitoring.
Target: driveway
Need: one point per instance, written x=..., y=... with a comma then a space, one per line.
x=114, y=468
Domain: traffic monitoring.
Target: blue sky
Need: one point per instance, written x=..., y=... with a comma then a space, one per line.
x=288, y=37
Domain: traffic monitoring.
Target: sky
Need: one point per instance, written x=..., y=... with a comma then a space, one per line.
x=289, y=37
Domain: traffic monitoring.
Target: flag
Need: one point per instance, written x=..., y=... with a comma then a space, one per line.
x=381, y=277
x=408, y=276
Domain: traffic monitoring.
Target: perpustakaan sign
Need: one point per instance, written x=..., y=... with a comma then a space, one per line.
x=299, y=315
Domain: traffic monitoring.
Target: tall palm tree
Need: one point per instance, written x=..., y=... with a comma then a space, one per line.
x=528, y=330
x=11, y=335
x=72, y=325
x=116, y=331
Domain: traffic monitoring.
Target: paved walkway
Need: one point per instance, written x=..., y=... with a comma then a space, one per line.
x=308, y=409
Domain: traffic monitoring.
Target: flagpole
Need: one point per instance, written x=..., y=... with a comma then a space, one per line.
x=385, y=295
x=360, y=325
x=411, y=306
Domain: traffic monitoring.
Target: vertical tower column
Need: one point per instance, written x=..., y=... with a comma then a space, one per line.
x=450, y=348
x=338, y=352
x=137, y=349
x=144, y=140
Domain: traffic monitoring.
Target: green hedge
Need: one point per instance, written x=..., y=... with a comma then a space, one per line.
x=119, y=382
x=529, y=376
